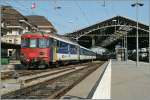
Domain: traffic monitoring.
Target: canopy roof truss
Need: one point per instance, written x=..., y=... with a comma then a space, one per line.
x=111, y=30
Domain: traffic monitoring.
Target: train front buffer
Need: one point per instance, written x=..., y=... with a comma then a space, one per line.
x=34, y=56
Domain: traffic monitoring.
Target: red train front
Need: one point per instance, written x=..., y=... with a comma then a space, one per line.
x=35, y=49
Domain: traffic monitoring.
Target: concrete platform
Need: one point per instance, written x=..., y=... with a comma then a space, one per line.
x=86, y=88
x=14, y=64
x=8, y=86
x=130, y=82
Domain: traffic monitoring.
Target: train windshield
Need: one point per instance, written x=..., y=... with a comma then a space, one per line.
x=24, y=42
x=43, y=43
x=33, y=43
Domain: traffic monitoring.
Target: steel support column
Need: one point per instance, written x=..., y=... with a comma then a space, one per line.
x=149, y=32
x=137, y=38
x=93, y=41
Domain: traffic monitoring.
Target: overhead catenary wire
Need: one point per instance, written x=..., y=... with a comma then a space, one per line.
x=9, y=4
x=19, y=6
x=106, y=10
x=83, y=13
x=56, y=10
x=113, y=8
x=104, y=5
x=55, y=5
x=22, y=5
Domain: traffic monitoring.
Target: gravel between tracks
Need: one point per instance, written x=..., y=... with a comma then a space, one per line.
x=54, y=88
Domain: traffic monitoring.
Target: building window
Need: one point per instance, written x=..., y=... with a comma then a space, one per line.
x=2, y=24
x=15, y=41
x=10, y=53
x=10, y=31
x=26, y=28
x=10, y=41
x=21, y=32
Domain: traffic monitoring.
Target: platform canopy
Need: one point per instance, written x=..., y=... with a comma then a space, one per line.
x=117, y=30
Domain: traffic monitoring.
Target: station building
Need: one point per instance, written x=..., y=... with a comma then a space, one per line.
x=13, y=24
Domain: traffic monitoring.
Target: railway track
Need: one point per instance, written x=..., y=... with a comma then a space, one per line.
x=54, y=87
x=20, y=73
x=46, y=74
x=8, y=75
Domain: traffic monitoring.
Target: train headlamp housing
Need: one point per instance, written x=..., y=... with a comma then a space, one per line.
x=42, y=53
x=22, y=55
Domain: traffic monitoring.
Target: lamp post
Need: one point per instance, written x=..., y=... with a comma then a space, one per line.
x=137, y=4
x=149, y=32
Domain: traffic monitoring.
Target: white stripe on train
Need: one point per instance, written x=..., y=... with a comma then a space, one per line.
x=73, y=57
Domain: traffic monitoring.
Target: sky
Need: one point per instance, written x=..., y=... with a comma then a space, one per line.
x=70, y=15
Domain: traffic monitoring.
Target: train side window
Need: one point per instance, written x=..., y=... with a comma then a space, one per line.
x=63, y=45
x=82, y=51
x=73, y=48
x=43, y=43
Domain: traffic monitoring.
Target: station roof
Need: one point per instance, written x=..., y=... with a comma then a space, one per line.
x=111, y=31
x=11, y=16
x=40, y=21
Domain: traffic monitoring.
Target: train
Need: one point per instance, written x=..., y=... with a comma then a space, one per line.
x=40, y=50
x=143, y=55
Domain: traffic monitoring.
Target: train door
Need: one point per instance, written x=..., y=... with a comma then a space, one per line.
x=53, y=51
x=78, y=53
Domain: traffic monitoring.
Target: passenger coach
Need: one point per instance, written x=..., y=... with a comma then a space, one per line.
x=40, y=49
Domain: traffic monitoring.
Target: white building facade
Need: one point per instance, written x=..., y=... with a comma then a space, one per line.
x=14, y=24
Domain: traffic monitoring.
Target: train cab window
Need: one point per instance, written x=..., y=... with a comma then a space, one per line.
x=43, y=43
x=54, y=42
x=24, y=42
x=58, y=43
x=33, y=43
x=51, y=42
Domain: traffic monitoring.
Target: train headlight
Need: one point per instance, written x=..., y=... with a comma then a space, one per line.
x=42, y=53
x=21, y=55
x=27, y=60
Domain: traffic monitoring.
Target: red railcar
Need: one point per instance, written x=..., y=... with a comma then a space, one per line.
x=35, y=49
